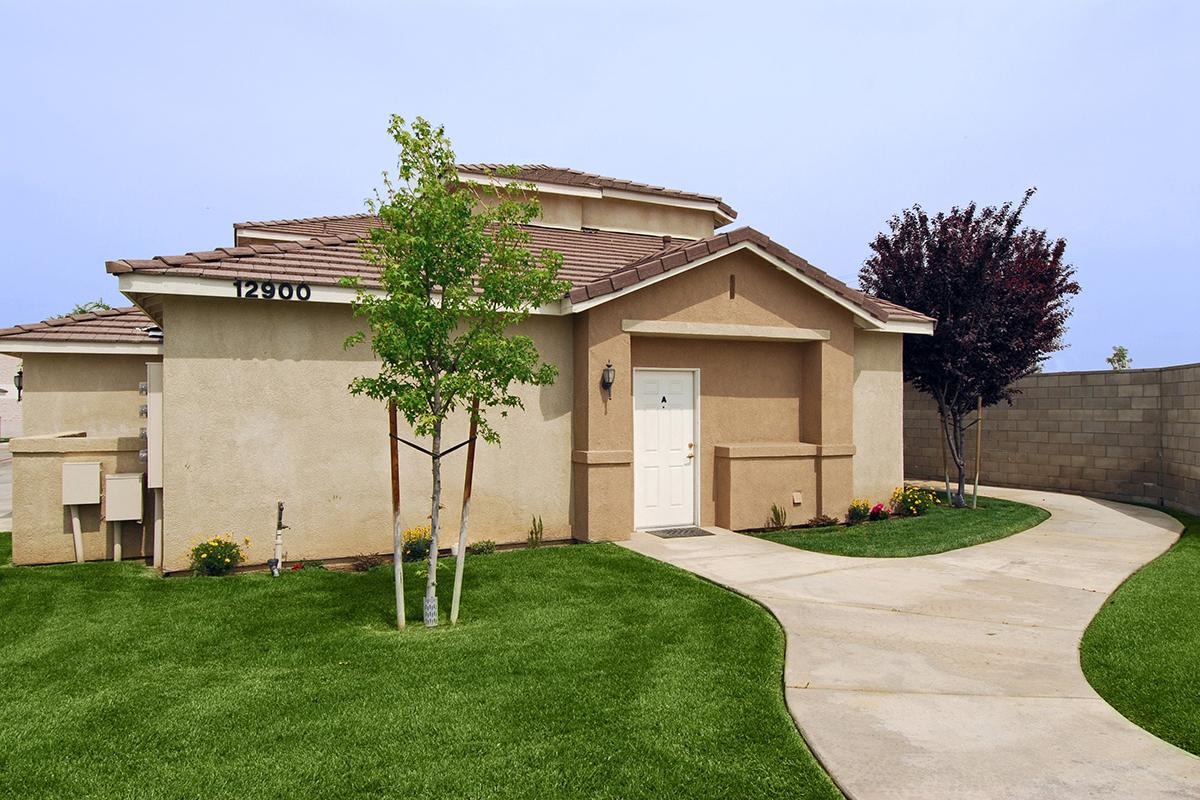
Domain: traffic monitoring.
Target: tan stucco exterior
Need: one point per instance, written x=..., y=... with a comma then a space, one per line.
x=256, y=410
x=42, y=531
x=92, y=392
x=764, y=393
x=10, y=409
x=878, y=418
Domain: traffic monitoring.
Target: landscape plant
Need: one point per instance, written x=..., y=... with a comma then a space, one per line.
x=456, y=276
x=879, y=512
x=999, y=293
x=416, y=543
x=778, y=518
x=913, y=501
x=486, y=547
x=859, y=511
x=217, y=555
x=536, y=529
x=1120, y=357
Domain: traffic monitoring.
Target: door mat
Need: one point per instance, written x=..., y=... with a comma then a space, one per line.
x=679, y=533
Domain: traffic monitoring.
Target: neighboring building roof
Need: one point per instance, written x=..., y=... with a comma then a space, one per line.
x=562, y=176
x=112, y=330
x=355, y=225
x=597, y=263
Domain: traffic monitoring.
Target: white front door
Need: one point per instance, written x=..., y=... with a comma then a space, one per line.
x=664, y=448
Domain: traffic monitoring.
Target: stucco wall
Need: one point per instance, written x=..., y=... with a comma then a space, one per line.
x=1126, y=435
x=83, y=391
x=10, y=409
x=256, y=410
x=41, y=525
x=878, y=414
x=763, y=296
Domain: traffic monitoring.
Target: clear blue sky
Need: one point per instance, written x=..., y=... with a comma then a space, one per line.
x=137, y=129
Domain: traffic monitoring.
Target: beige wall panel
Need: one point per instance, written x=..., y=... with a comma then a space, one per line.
x=83, y=392
x=41, y=524
x=256, y=410
x=748, y=487
x=10, y=409
x=630, y=215
x=878, y=415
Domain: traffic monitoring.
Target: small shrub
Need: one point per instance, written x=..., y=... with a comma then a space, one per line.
x=822, y=521
x=416, y=542
x=309, y=565
x=860, y=511
x=365, y=562
x=218, y=555
x=913, y=501
x=879, y=513
x=778, y=519
x=484, y=548
x=534, y=539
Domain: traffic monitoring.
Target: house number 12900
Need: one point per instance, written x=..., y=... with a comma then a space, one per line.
x=269, y=290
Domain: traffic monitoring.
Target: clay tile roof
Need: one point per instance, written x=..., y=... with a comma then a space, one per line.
x=118, y=326
x=562, y=176
x=355, y=225
x=595, y=262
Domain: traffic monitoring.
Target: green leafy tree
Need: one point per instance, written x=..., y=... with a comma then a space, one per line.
x=1120, y=358
x=457, y=276
x=89, y=307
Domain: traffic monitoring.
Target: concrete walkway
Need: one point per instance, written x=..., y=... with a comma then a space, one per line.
x=5, y=488
x=957, y=675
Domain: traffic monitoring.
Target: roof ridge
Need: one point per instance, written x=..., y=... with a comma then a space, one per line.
x=298, y=220
x=72, y=319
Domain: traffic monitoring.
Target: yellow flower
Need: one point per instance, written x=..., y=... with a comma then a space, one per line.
x=227, y=561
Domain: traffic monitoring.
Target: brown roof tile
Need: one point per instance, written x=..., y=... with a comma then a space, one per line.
x=117, y=325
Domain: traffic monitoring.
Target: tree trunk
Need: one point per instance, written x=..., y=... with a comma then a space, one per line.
x=466, y=511
x=397, y=530
x=431, y=602
x=952, y=430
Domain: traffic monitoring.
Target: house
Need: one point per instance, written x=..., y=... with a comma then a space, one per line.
x=744, y=377
x=80, y=402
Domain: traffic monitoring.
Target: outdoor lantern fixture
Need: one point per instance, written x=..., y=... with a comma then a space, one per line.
x=19, y=382
x=608, y=376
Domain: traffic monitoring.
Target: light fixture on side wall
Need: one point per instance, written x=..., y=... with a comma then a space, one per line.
x=19, y=382
x=608, y=376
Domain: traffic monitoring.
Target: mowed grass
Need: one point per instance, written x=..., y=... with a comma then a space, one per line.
x=938, y=530
x=584, y=671
x=1142, y=651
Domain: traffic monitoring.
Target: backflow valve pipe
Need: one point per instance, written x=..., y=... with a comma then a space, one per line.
x=275, y=562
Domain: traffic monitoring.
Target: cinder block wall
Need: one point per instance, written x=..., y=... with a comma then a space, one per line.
x=1124, y=435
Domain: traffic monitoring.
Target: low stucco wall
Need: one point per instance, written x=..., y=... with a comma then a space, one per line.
x=256, y=410
x=41, y=524
x=1131, y=435
x=89, y=392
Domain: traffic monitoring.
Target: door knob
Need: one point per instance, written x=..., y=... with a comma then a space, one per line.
x=691, y=455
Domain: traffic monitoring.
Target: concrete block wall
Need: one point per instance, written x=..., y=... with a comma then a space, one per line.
x=1129, y=435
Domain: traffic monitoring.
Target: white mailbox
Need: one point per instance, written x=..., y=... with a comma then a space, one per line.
x=123, y=496
x=81, y=483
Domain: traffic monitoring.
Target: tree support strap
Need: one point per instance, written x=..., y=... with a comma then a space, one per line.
x=430, y=453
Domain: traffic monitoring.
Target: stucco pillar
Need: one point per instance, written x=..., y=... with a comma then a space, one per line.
x=602, y=459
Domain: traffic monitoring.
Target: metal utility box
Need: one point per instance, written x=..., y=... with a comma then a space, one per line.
x=123, y=496
x=154, y=424
x=81, y=483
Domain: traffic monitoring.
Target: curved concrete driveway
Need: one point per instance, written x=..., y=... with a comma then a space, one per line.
x=957, y=675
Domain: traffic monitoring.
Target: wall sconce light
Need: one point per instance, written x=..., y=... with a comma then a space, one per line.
x=19, y=382
x=608, y=377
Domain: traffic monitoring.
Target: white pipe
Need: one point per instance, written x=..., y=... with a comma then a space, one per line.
x=77, y=534
x=117, y=540
x=278, y=551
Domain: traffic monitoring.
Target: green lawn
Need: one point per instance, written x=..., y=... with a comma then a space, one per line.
x=938, y=530
x=583, y=671
x=1142, y=651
